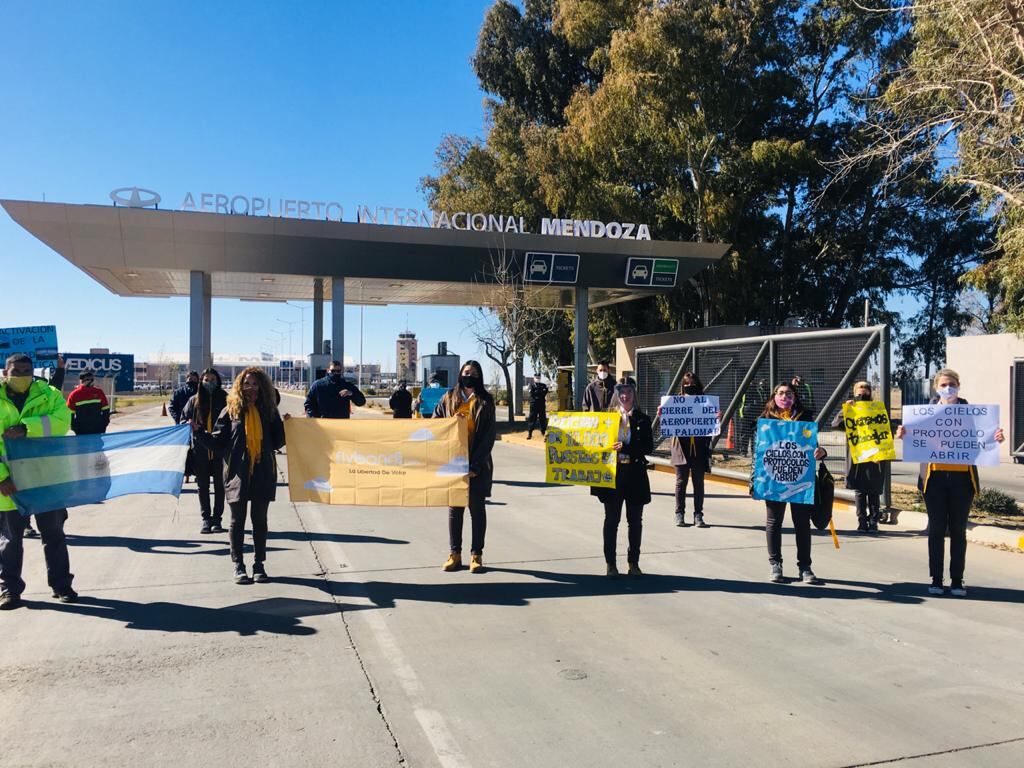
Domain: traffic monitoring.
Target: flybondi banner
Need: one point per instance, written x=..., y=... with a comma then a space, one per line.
x=393, y=463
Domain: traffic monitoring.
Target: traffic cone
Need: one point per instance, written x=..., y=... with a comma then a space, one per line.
x=163, y=411
x=730, y=437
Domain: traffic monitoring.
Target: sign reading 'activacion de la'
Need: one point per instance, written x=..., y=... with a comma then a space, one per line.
x=689, y=416
x=951, y=434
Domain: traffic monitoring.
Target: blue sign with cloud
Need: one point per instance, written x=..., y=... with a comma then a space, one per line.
x=784, y=465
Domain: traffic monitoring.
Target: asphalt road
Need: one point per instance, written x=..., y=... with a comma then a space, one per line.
x=362, y=653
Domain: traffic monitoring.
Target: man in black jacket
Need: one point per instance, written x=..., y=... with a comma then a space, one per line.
x=538, y=418
x=332, y=396
x=598, y=394
x=182, y=395
x=401, y=401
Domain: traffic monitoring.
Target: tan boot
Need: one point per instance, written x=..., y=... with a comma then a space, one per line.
x=476, y=563
x=453, y=563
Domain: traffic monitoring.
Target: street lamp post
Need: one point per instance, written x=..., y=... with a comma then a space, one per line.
x=290, y=323
x=302, y=339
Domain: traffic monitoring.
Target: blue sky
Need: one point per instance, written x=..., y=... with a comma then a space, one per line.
x=338, y=100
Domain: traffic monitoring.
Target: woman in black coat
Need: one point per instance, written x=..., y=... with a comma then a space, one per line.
x=867, y=478
x=691, y=456
x=469, y=400
x=247, y=433
x=202, y=409
x=632, y=486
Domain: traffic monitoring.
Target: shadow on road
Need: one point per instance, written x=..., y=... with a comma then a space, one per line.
x=157, y=546
x=340, y=538
x=528, y=484
x=274, y=615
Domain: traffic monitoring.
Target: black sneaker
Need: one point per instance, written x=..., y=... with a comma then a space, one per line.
x=681, y=519
x=241, y=577
x=807, y=577
x=698, y=521
x=259, y=573
x=66, y=595
x=776, y=576
x=862, y=526
x=207, y=527
x=216, y=527
x=30, y=532
x=9, y=602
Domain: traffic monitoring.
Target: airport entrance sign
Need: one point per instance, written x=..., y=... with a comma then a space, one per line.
x=560, y=268
x=651, y=273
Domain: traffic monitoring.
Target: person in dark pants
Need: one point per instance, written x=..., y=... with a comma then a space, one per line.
x=470, y=401
x=333, y=396
x=248, y=432
x=57, y=382
x=632, y=486
x=401, y=401
x=691, y=456
x=948, y=494
x=785, y=404
x=538, y=418
x=867, y=478
x=204, y=407
x=30, y=408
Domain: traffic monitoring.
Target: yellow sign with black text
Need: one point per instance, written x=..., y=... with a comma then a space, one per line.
x=868, y=432
x=578, y=448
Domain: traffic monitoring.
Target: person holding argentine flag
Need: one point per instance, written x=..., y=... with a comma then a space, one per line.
x=247, y=433
x=30, y=408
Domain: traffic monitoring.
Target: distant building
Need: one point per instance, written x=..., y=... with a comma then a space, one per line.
x=444, y=365
x=406, y=355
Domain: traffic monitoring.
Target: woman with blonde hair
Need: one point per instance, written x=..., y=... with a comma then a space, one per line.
x=470, y=401
x=248, y=432
x=948, y=491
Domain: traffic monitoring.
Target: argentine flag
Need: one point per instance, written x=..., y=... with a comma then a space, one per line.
x=55, y=472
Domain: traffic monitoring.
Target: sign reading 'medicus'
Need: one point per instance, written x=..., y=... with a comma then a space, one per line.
x=468, y=221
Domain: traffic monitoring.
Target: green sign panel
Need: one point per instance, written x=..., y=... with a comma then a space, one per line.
x=651, y=273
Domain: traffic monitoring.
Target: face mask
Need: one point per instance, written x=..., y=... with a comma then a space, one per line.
x=210, y=386
x=948, y=393
x=469, y=382
x=690, y=389
x=435, y=385
x=863, y=397
x=88, y=383
x=19, y=384
x=783, y=401
x=335, y=377
x=602, y=375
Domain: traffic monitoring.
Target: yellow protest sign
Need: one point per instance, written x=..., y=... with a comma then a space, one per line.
x=378, y=463
x=868, y=432
x=578, y=448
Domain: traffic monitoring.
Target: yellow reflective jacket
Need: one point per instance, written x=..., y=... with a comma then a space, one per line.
x=44, y=414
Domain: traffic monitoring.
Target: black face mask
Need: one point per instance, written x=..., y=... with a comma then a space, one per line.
x=193, y=385
x=690, y=389
x=863, y=398
x=335, y=377
x=469, y=382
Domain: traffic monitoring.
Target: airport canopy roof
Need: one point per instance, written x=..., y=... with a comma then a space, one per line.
x=146, y=252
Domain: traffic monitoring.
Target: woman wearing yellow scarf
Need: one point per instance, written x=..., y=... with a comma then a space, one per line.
x=248, y=432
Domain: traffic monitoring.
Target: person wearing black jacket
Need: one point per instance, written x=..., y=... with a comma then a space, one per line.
x=332, y=396
x=691, y=456
x=598, y=394
x=785, y=404
x=948, y=491
x=632, y=486
x=202, y=409
x=401, y=401
x=247, y=433
x=867, y=478
x=182, y=395
x=470, y=401
x=538, y=418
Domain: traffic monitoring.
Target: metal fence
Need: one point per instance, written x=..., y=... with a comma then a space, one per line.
x=743, y=372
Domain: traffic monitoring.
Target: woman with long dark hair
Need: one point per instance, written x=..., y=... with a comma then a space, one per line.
x=470, y=401
x=247, y=433
x=632, y=486
x=785, y=404
x=691, y=456
x=203, y=408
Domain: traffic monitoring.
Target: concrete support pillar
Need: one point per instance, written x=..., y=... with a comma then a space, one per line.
x=581, y=344
x=520, y=383
x=318, y=316
x=200, y=355
x=338, y=319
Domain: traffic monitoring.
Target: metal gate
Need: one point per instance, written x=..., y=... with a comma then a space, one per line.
x=1017, y=415
x=743, y=372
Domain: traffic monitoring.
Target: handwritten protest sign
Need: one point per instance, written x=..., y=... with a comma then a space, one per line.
x=951, y=434
x=378, y=463
x=784, y=465
x=429, y=398
x=578, y=448
x=689, y=416
x=37, y=341
x=868, y=432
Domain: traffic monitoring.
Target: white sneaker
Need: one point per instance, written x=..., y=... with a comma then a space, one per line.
x=958, y=590
x=936, y=589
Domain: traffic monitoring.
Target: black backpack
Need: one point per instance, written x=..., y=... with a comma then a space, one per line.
x=824, y=495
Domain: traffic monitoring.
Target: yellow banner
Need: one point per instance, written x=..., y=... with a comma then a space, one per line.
x=868, y=432
x=579, y=450
x=378, y=462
